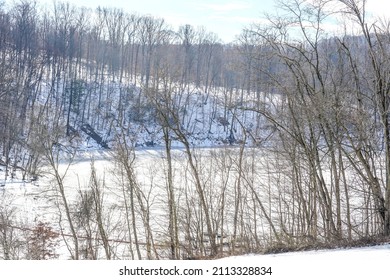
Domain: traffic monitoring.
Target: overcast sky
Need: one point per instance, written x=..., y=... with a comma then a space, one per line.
x=226, y=18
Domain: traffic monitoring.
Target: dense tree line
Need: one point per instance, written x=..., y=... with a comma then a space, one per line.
x=70, y=61
x=304, y=119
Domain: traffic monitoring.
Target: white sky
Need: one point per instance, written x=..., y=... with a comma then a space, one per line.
x=226, y=18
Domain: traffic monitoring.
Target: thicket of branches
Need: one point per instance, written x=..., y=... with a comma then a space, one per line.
x=306, y=114
x=63, y=67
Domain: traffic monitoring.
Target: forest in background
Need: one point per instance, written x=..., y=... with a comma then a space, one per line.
x=306, y=112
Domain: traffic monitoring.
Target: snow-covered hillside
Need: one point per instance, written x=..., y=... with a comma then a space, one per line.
x=121, y=138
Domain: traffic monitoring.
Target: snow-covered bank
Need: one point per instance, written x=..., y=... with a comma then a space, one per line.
x=355, y=264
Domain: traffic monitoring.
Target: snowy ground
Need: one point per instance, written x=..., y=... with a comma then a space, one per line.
x=354, y=264
x=357, y=263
